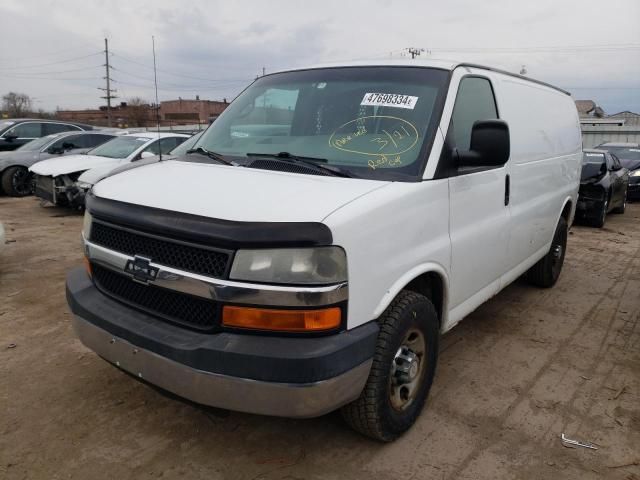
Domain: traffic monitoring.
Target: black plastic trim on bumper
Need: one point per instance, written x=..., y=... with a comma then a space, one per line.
x=265, y=358
x=222, y=233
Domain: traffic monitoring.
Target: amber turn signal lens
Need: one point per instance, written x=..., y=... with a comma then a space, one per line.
x=87, y=266
x=281, y=320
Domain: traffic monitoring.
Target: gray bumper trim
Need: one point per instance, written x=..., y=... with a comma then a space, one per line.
x=245, y=395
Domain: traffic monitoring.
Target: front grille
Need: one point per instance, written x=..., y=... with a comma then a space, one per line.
x=45, y=188
x=173, y=306
x=194, y=259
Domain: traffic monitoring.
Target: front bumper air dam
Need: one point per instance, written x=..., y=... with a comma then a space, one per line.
x=267, y=375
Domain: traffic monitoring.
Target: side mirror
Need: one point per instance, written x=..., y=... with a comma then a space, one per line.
x=147, y=155
x=68, y=146
x=55, y=150
x=10, y=137
x=490, y=145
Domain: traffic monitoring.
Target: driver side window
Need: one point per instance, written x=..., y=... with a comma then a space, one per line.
x=475, y=101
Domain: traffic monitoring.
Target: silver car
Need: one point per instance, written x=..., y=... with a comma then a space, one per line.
x=15, y=178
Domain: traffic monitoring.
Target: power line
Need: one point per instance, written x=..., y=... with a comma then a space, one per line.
x=181, y=85
x=121, y=57
x=54, y=72
x=41, y=55
x=52, y=63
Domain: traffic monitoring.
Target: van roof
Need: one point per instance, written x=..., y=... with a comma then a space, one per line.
x=449, y=65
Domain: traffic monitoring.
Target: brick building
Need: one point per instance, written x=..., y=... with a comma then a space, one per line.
x=191, y=111
x=172, y=112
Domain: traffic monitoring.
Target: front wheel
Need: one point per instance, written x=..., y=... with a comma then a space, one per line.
x=546, y=272
x=403, y=367
x=621, y=209
x=17, y=182
x=599, y=220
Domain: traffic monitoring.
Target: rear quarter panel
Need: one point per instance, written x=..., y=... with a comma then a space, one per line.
x=545, y=162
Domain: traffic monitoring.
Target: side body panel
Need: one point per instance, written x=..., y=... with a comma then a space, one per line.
x=391, y=236
x=545, y=162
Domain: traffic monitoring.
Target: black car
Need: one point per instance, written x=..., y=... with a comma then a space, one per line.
x=629, y=155
x=603, y=186
x=15, y=132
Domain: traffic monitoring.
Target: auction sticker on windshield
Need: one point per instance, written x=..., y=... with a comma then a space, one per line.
x=389, y=100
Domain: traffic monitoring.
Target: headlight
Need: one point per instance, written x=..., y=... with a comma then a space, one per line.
x=321, y=265
x=86, y=224
x=635, y=173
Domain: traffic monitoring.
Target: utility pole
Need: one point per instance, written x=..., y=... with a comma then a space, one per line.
x=414, y=52
x=108, y=91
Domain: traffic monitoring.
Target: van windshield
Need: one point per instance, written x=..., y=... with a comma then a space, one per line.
x=374, y=122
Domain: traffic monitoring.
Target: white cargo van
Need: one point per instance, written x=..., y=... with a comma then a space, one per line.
x=323, y=233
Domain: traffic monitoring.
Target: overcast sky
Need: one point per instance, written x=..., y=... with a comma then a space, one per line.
x=51, y=49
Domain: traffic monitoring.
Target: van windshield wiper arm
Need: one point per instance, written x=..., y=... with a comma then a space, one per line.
x=213, y=155
x=313, y=162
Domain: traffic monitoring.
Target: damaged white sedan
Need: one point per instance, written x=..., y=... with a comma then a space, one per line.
x=55, y=180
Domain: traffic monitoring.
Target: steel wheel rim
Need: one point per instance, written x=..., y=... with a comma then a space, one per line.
x=21, y=182
x=557, y=253
x=407, y=370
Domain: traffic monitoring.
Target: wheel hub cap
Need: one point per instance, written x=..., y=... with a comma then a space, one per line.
x=407, y=366
x=407, y=370
x=557, y=251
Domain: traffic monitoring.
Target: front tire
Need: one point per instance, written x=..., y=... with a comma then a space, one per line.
x=621, y=209
x=17, y=182
x=598, y=221
x=546, y=272
x=402, y=372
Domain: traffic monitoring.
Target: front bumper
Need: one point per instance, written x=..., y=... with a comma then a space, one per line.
x=588, y=208
x=283, y=376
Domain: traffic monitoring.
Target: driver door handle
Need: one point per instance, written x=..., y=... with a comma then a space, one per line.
x=507, y=189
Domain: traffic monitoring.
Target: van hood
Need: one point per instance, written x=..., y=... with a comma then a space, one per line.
x=72, y=163
x=234, y=193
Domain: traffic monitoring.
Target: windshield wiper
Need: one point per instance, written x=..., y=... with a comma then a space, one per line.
x=313, y=162
x=213, y=155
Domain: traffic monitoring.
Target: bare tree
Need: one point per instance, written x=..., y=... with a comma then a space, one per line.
x=16, y=104
x=138, y=111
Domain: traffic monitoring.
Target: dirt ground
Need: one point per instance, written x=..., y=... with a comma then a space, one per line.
x=524, y=368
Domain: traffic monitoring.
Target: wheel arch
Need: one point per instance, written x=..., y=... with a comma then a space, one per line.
x=430, y=280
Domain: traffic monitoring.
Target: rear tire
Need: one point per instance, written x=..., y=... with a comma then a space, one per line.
x=17, y=182
x=546, y=272
x=402, y=371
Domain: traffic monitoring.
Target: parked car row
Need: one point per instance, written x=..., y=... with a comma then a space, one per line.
x=16, y=132
x=65, y=181
x=610, y=176
x=15, y=179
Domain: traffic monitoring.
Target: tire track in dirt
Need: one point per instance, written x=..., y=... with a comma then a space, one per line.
x=524, y=393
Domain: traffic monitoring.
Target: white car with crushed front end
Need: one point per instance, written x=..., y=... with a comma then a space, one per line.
x=55, y=178
x=330, y=225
